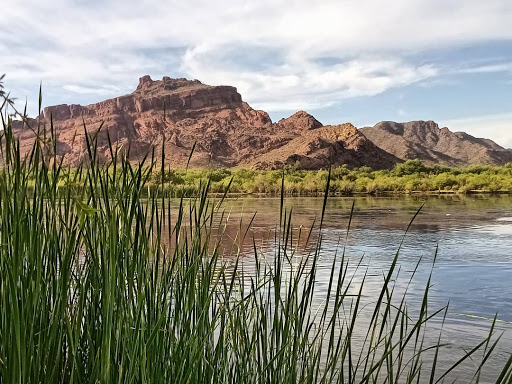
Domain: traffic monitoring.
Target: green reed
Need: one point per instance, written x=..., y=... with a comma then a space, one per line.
x=105, y=282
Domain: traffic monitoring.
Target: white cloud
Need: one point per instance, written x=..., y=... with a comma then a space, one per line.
x=497, y=127
x=323, y=26
x=77, y=46
x=90, y=90
x=303, y=83
x=490, y=68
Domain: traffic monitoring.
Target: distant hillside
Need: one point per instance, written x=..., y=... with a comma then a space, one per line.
x=178, y=113
x=424, y=140
x=331, y=144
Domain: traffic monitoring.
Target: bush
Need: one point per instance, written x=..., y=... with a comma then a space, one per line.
x=410, y=167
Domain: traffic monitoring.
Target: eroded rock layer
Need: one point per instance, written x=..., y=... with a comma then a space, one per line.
x=175, y=114
x=424, y=140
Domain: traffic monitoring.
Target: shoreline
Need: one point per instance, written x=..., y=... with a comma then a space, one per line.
x=361, y=194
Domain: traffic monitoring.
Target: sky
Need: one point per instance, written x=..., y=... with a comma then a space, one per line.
x=358, y=61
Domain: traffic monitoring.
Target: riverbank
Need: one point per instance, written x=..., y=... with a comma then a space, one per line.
x=411, y=177
x=356, y=194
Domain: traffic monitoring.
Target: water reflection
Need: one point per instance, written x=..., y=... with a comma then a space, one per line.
x=468, y=236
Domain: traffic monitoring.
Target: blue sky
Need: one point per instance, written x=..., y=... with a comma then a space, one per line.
x=343, y=61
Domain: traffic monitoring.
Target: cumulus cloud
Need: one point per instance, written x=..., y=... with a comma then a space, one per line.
x=281, y=54
x=302, y=82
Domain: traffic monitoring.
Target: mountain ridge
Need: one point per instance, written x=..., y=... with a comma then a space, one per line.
x=175, y=115
x=426, y=141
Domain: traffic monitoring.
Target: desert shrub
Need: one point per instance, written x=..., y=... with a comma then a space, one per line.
x=338, y=172
x=445, y=181
x=409, y=167
x=219, y=174
x=343, y=186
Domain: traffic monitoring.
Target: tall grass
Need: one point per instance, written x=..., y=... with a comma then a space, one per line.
x=105, y=283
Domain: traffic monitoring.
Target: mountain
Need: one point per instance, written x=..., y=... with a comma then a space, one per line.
x=424, y=140
x=177, y=114
x=331, y=144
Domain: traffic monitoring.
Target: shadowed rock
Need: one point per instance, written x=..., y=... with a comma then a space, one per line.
x=424, y=140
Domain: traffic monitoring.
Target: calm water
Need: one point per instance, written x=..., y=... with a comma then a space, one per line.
x=473, y=270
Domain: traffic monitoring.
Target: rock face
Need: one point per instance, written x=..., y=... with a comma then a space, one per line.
x=175, y=114
x=299, y=123
x=331, y=144
x=424, y=140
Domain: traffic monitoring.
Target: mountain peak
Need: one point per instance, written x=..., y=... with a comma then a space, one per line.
x=424, y=140
x=178, y=114
x=168, y=83
x=299, y=122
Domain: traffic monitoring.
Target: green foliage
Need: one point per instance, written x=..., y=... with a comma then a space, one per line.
x=292, y=168
x=219, y=174
x=410, y=167
x=411, y=176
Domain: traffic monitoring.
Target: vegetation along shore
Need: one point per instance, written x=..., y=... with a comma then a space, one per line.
x=410, y=177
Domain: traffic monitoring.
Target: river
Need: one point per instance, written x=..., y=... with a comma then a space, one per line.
x=472, y=272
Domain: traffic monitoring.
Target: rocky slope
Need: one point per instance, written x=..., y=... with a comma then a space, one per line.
x=424, y=140
x=331, y=144
x=176, y=113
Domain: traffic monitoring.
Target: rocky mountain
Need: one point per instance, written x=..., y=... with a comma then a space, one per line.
x=175, y=114
x=331, y=144
x=424, y=140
